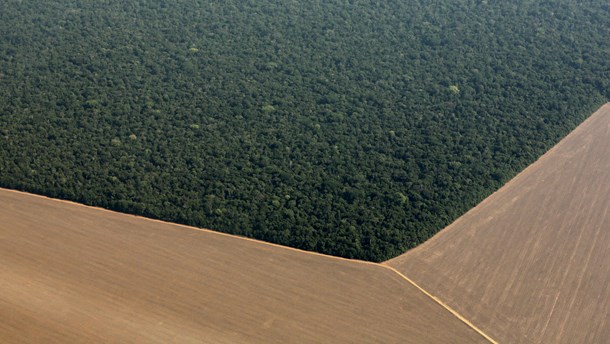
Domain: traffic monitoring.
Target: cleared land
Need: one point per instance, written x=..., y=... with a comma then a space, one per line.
x=76, y=274
x=531, y=264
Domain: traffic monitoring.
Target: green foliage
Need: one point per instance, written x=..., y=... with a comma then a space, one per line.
x=354, y=128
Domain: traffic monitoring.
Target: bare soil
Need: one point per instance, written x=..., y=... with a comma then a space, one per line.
x=76, y=274
x=531, y=264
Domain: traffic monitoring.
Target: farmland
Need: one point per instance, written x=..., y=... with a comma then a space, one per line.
x=75, y=274
x=530, y=264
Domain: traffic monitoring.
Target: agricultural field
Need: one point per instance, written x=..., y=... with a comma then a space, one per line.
x=75, y=274
x=530, y=264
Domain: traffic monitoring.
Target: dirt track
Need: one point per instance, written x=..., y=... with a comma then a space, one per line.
x=75, y=274
x=531, y=264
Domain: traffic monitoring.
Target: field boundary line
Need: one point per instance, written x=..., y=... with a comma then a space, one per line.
x=200, y=229
x=441, y=303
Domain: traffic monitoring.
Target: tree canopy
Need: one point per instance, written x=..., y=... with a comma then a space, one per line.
x=354, y=128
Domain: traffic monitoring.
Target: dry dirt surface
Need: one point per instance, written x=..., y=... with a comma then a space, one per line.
x=531, y=264
x=76, y=274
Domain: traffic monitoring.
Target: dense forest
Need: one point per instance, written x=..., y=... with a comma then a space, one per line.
x=355, y=128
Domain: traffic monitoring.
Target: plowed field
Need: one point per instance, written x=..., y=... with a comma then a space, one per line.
x=531, y=264
x=75, y=274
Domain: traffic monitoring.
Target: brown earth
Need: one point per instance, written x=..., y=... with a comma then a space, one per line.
x=531, y=264
x=76, y=274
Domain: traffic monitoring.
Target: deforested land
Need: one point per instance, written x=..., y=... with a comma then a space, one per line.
x=76, y=274
x=530, y=264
